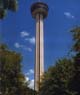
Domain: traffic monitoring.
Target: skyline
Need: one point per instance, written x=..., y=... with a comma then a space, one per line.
x=18, y=31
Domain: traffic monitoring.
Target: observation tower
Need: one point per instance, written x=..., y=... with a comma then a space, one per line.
x=39, y=11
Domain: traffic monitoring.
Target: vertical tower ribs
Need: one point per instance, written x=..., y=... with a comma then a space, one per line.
x=39, y=11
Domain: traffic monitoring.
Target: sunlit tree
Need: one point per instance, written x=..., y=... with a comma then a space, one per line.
x=12, y=80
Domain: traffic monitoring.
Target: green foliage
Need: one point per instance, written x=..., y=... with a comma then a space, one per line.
x=76, y=39
x=12, y=80
x=76, y=48
x=56, y=80
x=76, y=33
x=64, y=77
x=7, y=5
x=2, y=13
x=12, y=5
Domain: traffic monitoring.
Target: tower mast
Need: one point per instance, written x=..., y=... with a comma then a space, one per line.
x=39, y=11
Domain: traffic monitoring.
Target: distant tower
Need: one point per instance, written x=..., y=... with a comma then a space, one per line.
x=39, y=11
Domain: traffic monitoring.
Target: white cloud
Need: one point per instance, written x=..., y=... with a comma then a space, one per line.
x=69, y=15
x=30, y=72
x=28, y=49
x=31, y=85
x=31, y=40
x=17, y=45
x=27, y=78
x=31, y=82
x=24, y=34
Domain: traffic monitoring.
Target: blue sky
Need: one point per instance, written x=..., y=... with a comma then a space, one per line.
x=18, y=31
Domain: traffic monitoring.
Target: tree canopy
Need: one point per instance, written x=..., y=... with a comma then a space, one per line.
x=64, y=77
x=57, y=79
x=12, y=80
x=76, y=49
x=6, y=5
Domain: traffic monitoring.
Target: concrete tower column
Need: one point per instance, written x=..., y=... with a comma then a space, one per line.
x=39, y=66
x=39, y=11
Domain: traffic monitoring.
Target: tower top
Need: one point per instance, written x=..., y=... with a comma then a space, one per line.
x=39, y=8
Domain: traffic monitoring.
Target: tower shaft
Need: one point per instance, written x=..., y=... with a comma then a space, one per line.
x=39, y=65
x=39, y=11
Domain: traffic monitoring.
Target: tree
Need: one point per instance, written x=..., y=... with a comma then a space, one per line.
x=7, y=5
x=76, y=48
x=64, y=77
x=12, y=80
x=56, y=79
